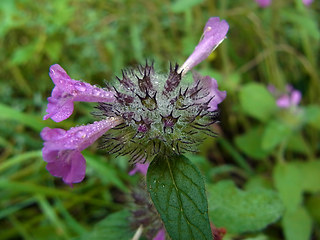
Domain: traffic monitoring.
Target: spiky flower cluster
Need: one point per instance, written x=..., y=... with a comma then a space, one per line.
x=145, y=114
x=158, y=114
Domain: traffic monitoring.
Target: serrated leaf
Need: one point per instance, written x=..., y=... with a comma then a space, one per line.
x=250, y=143
x=242, y=211
x=114, y=227
x=178, y=193
x=257, y=102
x=297, y=224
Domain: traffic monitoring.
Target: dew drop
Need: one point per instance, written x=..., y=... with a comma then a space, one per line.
x=81, y=134
x=80, y=86
x=96, y=92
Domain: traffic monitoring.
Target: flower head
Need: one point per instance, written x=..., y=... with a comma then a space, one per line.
x=158, y=114
x=145, y=113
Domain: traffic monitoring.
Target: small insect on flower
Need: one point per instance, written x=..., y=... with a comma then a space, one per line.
x=145, y=113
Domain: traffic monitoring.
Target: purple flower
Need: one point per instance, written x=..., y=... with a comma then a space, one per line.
x=213, y=34
x=307, y=2
x=209, y=88
x=153, y=112
x=67, y=90
x=291, y=98
x=161, y=235
x=263, y=3
x=62, y=149
x=140, y=167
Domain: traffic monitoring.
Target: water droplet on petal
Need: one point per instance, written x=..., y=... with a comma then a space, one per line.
x=81, y=134
x=80, y=86
x=96, y=92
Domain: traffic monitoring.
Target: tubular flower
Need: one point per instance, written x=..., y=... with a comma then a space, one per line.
x=145, y=113
x=214, y=33
x=62, y=149
x=67, y=90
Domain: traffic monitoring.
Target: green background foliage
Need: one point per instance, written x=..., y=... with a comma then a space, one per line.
x=260, y=147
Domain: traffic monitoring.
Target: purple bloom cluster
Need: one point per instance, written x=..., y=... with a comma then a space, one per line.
x=290, y=99
x=266, y=3
x=139, y=104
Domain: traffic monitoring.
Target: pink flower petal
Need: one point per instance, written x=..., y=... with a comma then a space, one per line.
x=161, y=235
x=213, y=34
x=209, y=89
x=62, y=148
x=295, y=97
x=264, y=3
x=307, y=2
x=283, y=101
x=71, y=168
x=140, y=167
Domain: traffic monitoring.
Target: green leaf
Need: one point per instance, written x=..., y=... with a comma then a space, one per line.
x=242, y=211
x=291, y=179
x=313, y=206
x=257, y=102
x=9, y=113
x=310, y=176
x=287, y=180
x=312, y=116
x=114, y=227
x=297, y=143
x=275, y=133
x=178, y=193
x=250, y=143
x=297, y=225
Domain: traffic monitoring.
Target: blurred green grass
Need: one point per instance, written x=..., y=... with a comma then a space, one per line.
x=94, y=40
